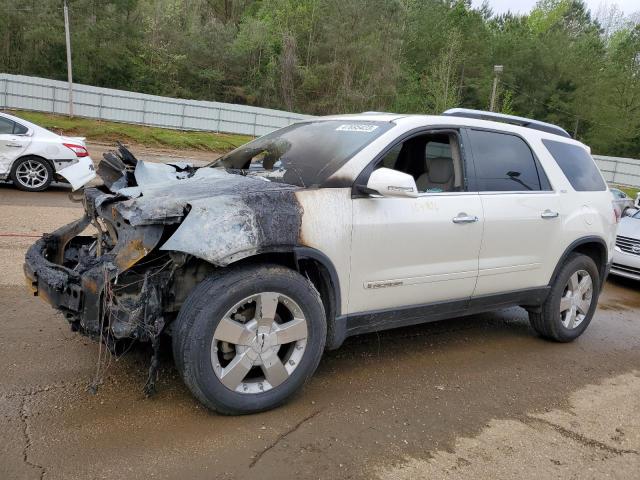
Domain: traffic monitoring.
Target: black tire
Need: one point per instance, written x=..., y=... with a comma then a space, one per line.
x=547, y=321
x=46, y=167
x=205, y=308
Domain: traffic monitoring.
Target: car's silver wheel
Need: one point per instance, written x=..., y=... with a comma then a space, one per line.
x=259, y=343
x=32, y=174
x=576, y=299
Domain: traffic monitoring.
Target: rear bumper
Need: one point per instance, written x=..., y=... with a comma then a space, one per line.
x=80, y=173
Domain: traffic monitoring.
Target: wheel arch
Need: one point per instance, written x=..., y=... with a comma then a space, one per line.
x=314, y=265
x=592, y=246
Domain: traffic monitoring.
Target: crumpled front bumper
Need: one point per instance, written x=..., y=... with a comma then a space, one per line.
x=75, y=294
x=78, y=289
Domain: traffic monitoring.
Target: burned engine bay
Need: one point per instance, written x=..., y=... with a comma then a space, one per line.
x=159, y=229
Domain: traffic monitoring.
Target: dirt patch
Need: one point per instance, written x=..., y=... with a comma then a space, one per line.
x=586, y=440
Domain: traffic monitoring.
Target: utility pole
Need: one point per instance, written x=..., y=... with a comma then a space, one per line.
x=497, y=70
x=69, y=68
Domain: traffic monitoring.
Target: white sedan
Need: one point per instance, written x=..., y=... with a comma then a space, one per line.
x=33, y=157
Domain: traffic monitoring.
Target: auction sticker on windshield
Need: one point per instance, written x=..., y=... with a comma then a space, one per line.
x=354, y=127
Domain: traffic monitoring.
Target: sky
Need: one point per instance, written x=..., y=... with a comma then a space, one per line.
x=523, y=6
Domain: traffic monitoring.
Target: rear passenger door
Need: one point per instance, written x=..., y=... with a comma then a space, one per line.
x=521, y=213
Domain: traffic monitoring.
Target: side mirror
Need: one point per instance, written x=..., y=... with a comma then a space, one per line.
x=629, y=212
x=391, y=183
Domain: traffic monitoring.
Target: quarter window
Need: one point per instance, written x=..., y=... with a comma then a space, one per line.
x=504, y=163
x=6, y=126
x=577, y=165
x=19, y=129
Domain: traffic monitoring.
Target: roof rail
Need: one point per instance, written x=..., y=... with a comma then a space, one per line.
x=501, y=117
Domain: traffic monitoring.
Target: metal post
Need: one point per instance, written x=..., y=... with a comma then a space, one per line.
x=6, y=90
x=69, y=67
x=497, y=70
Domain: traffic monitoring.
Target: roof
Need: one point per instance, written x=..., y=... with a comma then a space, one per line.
x=461, y=117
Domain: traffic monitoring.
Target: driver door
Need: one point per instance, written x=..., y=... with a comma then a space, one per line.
x=417, y=251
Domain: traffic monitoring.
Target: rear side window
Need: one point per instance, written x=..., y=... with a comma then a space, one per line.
x=577, y=165
x=6, y=126
x=504, y=163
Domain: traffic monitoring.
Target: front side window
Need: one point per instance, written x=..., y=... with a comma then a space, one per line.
x=6, y=126
x=303, y=154
x=577, y=165
x=432, y=159
x=503, y=163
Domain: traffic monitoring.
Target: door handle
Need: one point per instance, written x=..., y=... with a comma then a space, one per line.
x=549, y=214
x=17, y=145
x=464, y=218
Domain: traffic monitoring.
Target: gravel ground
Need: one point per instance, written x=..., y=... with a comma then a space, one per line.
x=474, y=397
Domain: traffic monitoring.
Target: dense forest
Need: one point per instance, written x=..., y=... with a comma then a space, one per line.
x=562, y=63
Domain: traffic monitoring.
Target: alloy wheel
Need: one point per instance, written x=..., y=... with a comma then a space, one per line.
x=32, y=174
x=259, y=343
x=576, y=299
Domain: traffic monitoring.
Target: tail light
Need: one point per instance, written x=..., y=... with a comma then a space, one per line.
x=79, y=150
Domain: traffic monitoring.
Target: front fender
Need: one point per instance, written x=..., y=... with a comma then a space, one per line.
x=222, y=230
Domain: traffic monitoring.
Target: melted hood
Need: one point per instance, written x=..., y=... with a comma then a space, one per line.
x=167, y=196
x=222, y=216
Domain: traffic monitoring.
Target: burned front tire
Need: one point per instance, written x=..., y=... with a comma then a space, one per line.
x=248, y=338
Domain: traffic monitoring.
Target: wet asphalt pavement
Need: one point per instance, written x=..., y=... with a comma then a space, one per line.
x=409, y=403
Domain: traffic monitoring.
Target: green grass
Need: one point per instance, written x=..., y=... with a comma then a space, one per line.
x=102, y=131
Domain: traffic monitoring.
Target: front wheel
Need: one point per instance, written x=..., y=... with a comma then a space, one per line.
x=247, y=339
x=573, y=299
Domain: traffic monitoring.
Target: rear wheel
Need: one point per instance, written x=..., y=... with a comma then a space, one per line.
x=572, y=302
x=246, y=340
x=32, y=174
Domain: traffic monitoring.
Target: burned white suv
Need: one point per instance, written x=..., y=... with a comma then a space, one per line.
x=329, y=228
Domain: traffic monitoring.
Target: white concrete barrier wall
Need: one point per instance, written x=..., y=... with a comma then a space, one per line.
x=624, y=171
x=52, y=96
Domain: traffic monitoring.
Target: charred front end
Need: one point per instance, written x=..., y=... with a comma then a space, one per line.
x=102, y=276
x=148, y=236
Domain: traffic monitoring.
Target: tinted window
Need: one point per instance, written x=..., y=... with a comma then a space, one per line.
x=577, y=165
x=303, y=154
x=6, y=126
x=19, y=129
x=503, y=162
